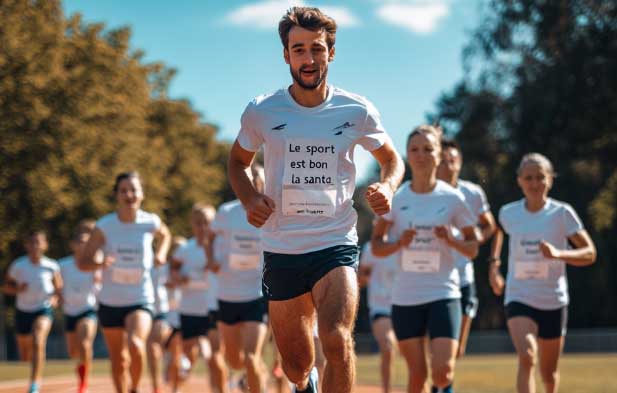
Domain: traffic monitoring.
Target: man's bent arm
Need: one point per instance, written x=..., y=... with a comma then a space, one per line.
x=391, y=164
x=238, y=172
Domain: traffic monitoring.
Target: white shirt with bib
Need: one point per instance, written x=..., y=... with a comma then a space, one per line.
x=195, y=294
x=38, y=277
x=240, y=254
x=427, y=267
x=128, y=281
x=79, y=291
x=532, y=279
x=309, y=165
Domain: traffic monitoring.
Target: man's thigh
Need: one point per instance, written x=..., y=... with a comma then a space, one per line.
x=336, y=298
x=292, y=322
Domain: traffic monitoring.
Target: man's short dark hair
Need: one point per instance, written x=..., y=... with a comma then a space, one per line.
x=308, y=18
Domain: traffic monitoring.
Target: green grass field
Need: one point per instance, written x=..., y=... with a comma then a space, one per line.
x=581, y=373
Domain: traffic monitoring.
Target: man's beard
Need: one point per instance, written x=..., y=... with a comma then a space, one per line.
x=312, y=86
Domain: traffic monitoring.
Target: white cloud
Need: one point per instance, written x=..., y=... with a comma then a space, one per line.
x=421, y=17
x=267, y=14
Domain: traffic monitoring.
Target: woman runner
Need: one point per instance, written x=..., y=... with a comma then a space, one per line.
x=540, y=231
x=126, y=299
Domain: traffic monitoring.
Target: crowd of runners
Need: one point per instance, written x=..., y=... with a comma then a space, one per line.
x=281, y=263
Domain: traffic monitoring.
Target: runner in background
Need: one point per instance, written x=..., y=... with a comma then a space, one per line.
x=79, y=295
x=36, y=282
x=176, y=364
x=216, y=363
x=242, y=317
x=126, y=299
x=189, y=269
x=448, y=171
x=544, y=235
x=426, y=294
x=378, y=274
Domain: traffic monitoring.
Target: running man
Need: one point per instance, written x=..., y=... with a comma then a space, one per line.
x=79, y=295
x=545, y=235
x=448, y=171
x=378, y=273
x=242, y=317
x=189, y=268
x=36, y=282
x=309, y=132
x=426, y=294
x=126, y=299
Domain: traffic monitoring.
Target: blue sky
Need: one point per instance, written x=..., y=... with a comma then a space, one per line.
x=401, y=54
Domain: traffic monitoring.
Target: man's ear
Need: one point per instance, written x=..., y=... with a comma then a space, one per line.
x=331, y=53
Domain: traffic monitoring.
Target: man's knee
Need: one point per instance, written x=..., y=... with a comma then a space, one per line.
x=337, y=343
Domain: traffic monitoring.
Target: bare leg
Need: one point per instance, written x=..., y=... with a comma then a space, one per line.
x=216, y=364
x=336, y=299
x=138, y=325
x=382, y=330
x=254, y=335
x=549, y=352
x=157, y=338
x=443, y=360
x=413, y=351
x=464, y=335
x=292, y=322
x=85, y=332
x=40, y=331
x=115, y=339
x=524, y=331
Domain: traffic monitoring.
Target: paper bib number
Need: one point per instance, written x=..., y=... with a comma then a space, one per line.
x=310, y=178
x=245, y=251
x=420, y=261
x=129, y=254
x=125, y=275
x=531, y=270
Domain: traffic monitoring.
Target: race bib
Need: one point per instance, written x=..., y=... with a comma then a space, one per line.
x=420, y=261
x=126, y=275
x=310, y=178
x=531, y=270
x=129, y=254
x=245, y=251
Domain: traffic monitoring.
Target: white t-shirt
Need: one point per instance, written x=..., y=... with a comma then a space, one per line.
x=39, y=277
x=160, y=276
x=383, y=271
x=79, y=291
x=533, y=279
x=478, y=204
x=240, y=254
x=195, y=298
x=309, y=165
x=427, y=268
x=127, y=282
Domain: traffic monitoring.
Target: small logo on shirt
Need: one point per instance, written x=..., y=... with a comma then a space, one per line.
x=342, y=127
x=404, y=207
x=440, y=210
x=280, y=127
